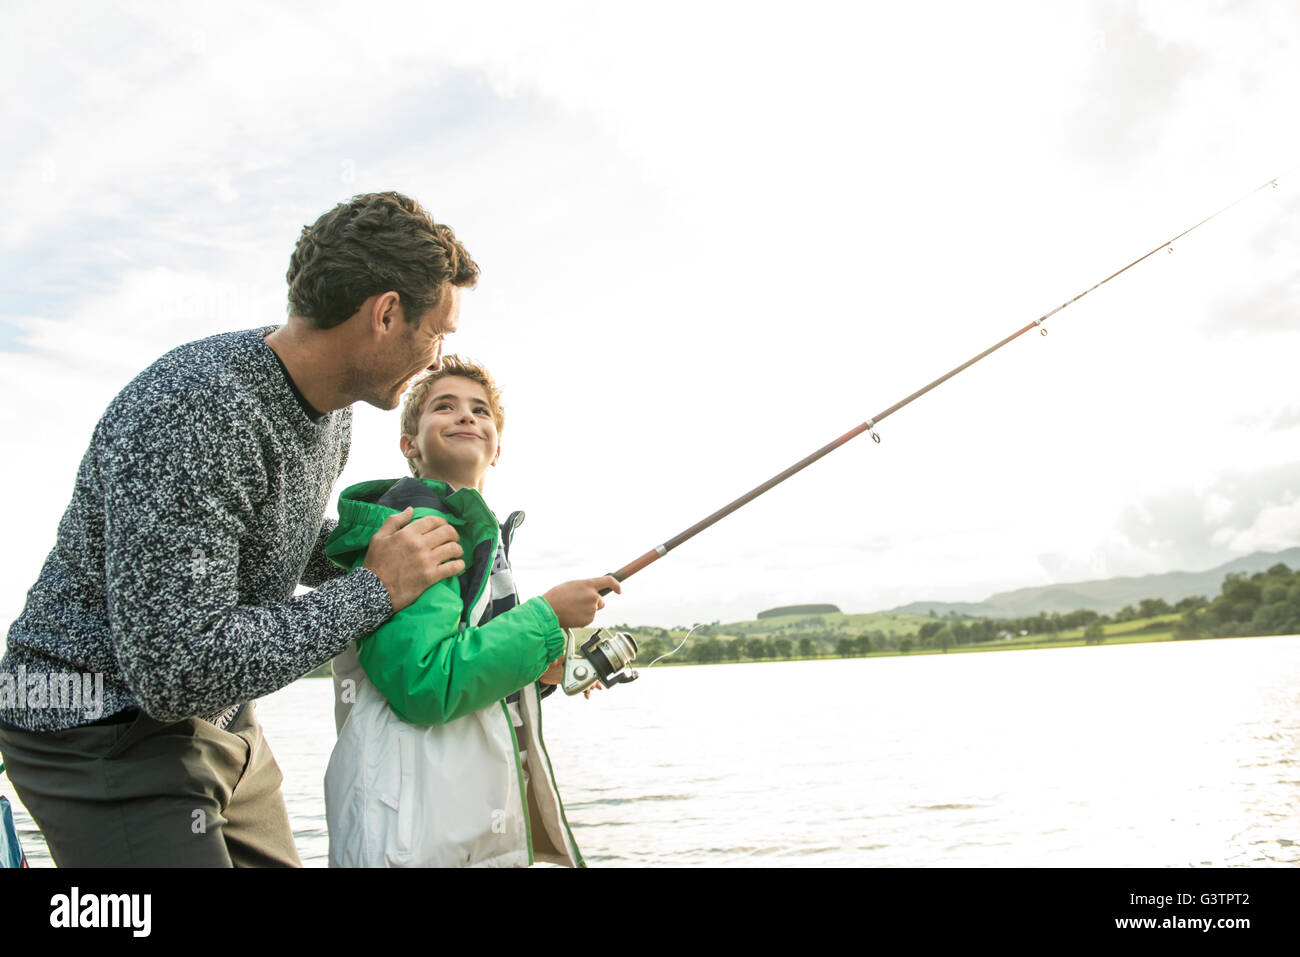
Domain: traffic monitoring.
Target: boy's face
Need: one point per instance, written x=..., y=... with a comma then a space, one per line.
x=457, y=436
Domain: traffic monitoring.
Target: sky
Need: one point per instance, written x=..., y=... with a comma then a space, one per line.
x=713, y=237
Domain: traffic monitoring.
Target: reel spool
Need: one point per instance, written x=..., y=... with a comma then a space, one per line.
x=603, y=657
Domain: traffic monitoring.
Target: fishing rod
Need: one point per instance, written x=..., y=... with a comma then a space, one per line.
x=617, y=651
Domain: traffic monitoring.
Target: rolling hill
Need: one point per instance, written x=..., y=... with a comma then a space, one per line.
x=1106, y=596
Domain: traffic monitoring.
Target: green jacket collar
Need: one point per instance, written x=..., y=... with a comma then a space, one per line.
x=360, y=516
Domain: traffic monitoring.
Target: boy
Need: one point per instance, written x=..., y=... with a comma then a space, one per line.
x=439, y=760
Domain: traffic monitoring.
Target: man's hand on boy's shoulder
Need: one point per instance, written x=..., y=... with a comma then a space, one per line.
x=409, y=556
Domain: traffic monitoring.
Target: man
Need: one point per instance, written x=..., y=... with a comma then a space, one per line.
x=196, y=510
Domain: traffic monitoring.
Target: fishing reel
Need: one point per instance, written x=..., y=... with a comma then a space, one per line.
x=603, y=657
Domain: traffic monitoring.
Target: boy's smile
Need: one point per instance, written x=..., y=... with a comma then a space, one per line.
x=457, y=438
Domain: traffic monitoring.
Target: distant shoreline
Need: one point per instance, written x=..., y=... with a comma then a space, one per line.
x=1034, y=643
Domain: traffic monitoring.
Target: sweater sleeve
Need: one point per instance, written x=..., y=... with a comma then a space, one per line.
x=180, y=480
x=319, y=568
x=430, y=672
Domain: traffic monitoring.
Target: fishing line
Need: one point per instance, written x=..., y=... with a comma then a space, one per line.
x=659, y=551
x=675, y=650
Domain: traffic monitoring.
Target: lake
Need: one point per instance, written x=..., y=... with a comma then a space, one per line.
x=1171, y=754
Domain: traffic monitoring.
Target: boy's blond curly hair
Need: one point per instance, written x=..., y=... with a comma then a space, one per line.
x=451, y=365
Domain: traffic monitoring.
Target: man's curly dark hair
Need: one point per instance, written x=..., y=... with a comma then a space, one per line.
x=374, y=243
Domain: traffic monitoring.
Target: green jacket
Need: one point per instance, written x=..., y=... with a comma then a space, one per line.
x=428, y=661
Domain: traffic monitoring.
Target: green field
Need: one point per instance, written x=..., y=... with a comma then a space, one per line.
x=838, y=621
x=898, y=626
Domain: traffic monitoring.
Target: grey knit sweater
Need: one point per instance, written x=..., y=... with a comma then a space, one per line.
x=197, y=509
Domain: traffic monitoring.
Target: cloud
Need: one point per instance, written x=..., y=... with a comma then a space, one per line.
x=173, y=120
x=1276, y=527
x=1271, y=303
x=1272, y=307
x=1234, y=514
x=1135, y=86
x=680, y=229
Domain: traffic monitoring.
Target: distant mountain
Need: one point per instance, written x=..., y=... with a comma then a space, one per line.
x=1108, y=596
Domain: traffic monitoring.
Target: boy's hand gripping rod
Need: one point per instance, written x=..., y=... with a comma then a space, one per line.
x=631, y=568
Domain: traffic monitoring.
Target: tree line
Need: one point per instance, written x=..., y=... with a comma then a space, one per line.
x=1266, y=603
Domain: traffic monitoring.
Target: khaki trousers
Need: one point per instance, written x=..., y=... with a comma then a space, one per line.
x=154, y=794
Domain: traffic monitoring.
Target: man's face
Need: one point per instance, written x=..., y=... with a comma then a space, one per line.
x=409, y=350
x=457, y=436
